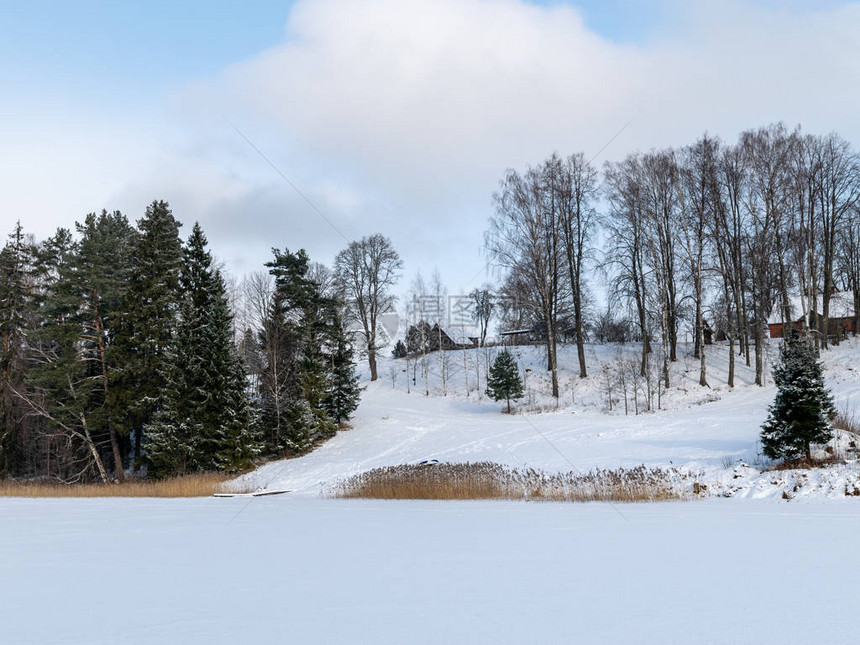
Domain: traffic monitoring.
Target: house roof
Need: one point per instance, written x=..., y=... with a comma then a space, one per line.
x=841, y=306
x=461, y=334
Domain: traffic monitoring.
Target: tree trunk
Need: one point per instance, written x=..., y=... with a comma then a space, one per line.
x=731, y=380
x=580, y=343
x=442, y=365
x=643, y=324
x=465, y=372
x=703, y=375
x=759, y=355
x=94, y=452
x=371, y=359
x=119, y=473
x=700, y=330
x=407, y=372
x=553, y=361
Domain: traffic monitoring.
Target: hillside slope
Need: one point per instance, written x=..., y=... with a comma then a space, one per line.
x=701, y=430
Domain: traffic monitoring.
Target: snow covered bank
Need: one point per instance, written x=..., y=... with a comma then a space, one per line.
x=703, y=431
x=308, y=570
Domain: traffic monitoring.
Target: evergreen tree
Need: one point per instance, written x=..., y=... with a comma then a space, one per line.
x=205, y=420
x=300, y=308
x=399, y=350
x=307, y=382
x=801, y=412
x=150, y=311
x=278, y=347
x=17, y=304
x=172, y=442
x=61, y=391
x=504, y=380
x=343, y=393
x=102, y=268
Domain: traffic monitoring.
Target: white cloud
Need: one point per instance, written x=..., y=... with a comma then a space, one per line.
x=400, y=116
x=415, y=91
x=420, y=105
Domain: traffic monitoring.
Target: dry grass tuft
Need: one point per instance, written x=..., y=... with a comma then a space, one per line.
x=487, y=480
x=802, y=463
x=846, y=419
x=200, y=485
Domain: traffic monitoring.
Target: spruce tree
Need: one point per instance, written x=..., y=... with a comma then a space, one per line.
x=307, y=381
x=150, y=311
x=205, y=420
x=304, y=318
x=343, y=393
x=504, y=380
x=801, y=412
x=278, y=347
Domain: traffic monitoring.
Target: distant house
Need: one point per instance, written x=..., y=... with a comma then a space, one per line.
x=456, y=336
x=517, y=336
x=425, y=338
x=842, y=316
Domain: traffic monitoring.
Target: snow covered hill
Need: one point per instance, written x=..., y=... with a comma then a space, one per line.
x=711, y=433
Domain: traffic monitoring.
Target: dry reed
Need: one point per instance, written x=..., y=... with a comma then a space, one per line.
x=487, y=480
x=199, y=485
x=846, y=419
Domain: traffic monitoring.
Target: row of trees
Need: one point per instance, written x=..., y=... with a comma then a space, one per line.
x=727, y=231
x=119, y=352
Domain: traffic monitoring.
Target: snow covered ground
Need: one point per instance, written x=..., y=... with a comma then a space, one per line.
x=703, y=431
x=309, y=570
x=303, y=568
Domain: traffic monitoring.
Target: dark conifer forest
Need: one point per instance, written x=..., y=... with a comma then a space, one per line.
x=122, y=354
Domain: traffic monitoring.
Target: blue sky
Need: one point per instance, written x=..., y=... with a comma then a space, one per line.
x=96, y=47
x=389, y=114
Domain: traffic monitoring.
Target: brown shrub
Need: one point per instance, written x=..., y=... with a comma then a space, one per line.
x=199, y=485
x=487, y=480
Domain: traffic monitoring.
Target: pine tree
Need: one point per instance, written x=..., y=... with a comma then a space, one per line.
x=102, y=267
x=504, y=380
x=801, y=412
x=61, y=391
x=17, y=303
x=205, y=420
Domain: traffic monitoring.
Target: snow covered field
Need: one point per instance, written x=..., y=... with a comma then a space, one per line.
x=302, y=568
x=309, y=570
x=704, y=431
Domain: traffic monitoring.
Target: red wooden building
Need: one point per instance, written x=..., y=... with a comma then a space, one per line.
x=842, y=316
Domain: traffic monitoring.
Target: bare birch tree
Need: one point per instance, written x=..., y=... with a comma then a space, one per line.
x=524, y=238
x=574, y=180
x=366, y=271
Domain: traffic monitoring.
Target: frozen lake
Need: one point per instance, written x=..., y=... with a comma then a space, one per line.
x=310, y=570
